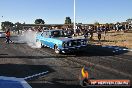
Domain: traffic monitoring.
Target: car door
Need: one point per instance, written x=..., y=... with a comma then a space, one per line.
x=44, y=39
x=49, y=40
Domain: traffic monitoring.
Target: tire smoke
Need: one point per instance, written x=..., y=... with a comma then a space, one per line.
x=29, y=37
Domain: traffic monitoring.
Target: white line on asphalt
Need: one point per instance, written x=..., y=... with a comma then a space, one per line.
x=36, y=75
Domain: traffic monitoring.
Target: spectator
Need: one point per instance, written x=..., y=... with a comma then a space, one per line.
x=86, y=34
x=105, y=31
x=91, y=34
x=117, y=27
x=99, y=32
x=8, y=36
x=78, y=31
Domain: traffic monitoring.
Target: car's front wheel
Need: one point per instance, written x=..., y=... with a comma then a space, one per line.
x=39, y=44
x=56, y=49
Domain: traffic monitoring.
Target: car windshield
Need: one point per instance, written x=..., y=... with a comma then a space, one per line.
x=58, y=33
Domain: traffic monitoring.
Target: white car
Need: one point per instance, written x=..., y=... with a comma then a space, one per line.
x=2, y=34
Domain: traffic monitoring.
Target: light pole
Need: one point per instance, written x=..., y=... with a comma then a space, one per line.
x=74, y=16
x=1, y=20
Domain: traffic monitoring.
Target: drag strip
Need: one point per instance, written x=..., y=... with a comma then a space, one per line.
x=21, y=61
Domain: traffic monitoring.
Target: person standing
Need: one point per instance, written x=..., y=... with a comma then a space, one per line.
x=105, y=31
x=78, y=31
x=91, y=34
x=99, y=32
x=86, y=34
x=8, y=36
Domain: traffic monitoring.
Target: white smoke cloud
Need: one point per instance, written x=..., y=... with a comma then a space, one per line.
x=29, y=37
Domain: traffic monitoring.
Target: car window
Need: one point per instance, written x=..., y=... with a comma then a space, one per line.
x=58, y=33
x=46, y=34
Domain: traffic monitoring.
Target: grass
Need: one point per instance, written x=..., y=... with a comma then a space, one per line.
x=120, y=38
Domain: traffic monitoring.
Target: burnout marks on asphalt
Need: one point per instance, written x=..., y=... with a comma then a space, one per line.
x=3, y=54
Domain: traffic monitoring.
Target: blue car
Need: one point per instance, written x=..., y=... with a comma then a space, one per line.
x=59, y=41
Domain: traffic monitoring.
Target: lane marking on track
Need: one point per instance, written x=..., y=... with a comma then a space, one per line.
x=36, y=75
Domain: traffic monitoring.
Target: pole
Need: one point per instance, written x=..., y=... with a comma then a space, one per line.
x=74, y=17
x=1, y=20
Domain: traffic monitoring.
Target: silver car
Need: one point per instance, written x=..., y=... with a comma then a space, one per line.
x=2, y=34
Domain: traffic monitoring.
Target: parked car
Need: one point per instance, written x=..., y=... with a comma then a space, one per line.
x=2, y=34
x=59, y=41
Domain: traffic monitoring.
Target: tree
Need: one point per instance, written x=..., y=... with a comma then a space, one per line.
x=96, y=23
x=107, y=24
x=118, y=23
x=18, y=27
x=79, y=23
x=111, y=24
x=129, y=20
x=39, y=21
x=6, y=24
x=68, y=20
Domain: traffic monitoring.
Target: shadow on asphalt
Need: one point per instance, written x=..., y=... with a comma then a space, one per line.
x=91, y=50
x=23, y=70
x=98, y=50
x=3, y=54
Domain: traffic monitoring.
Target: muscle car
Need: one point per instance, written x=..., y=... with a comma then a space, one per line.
x=59, y=41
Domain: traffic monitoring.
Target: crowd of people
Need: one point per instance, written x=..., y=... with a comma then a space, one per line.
x=87, y=32
x=99, y=30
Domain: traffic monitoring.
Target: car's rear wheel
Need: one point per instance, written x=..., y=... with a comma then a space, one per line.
x=39, y=44
x=56, y=49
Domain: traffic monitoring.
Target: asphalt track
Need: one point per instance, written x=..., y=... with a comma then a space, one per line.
x=20, y=60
